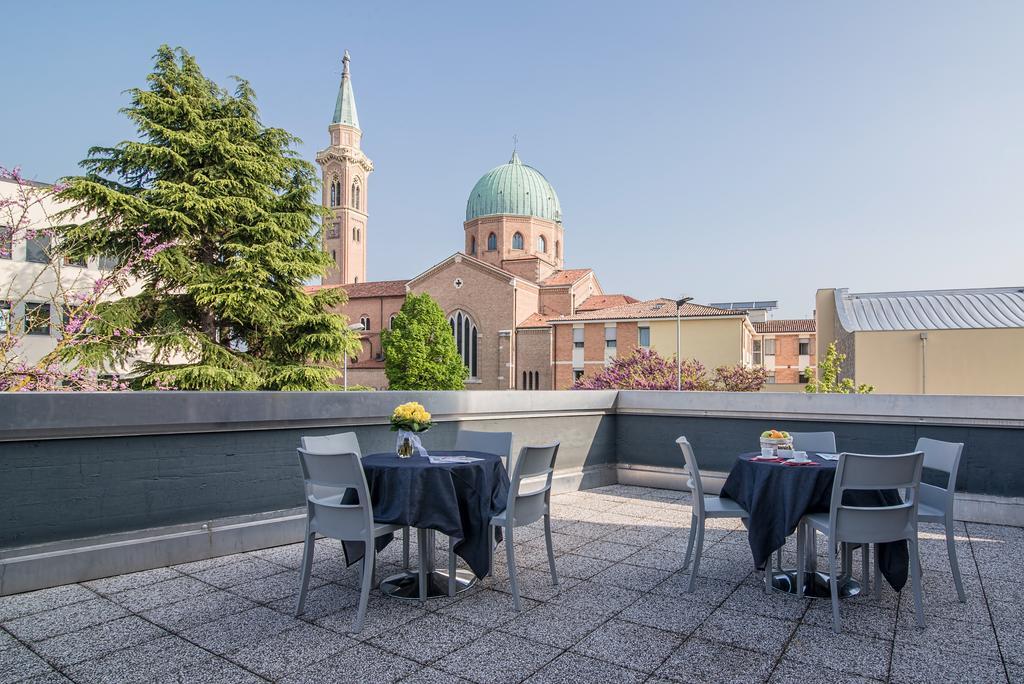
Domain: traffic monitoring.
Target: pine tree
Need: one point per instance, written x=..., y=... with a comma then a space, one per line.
x=419, y=350
x=212, y=213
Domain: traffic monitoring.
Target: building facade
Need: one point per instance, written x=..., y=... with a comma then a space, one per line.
x=927, y=342
x=785, y=348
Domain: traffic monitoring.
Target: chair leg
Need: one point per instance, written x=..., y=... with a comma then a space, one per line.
x=369, y=566
x=865, y=567
x=551, y=548
x=307, y=570
x=697, y=550
x=510, y=557
x=954, y=564
x=915, y=582
x=490, y=550
x=878, y=575
x=801, y=543
x=405, y=548
x=689, y=543
x=451, y=567
x=833, y=583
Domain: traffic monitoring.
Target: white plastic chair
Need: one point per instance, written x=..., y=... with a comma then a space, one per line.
x=704, y=507
x=822, y=442
x=348, y=443
x=529, y=500
x=497, y=443
x=871, y=525
x=328, y=475
x=937, y=503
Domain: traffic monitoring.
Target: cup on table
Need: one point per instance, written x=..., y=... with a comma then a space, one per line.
x=800, y=456
x=767, y=452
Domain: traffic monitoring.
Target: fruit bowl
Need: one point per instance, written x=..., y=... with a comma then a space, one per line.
x=776, y=440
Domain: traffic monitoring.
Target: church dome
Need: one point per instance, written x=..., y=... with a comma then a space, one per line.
x=514, y=189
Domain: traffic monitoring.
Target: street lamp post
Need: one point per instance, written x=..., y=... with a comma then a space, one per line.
x=354, y=326
x=679, y=349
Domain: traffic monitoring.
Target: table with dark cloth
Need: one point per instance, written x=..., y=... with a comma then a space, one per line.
x=456, y=499
x=778, y=495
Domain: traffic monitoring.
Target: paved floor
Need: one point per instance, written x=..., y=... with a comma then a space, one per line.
x=618, y=615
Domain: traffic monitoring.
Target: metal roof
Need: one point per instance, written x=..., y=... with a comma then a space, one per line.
x=513, y=189
x=345, y=107
x=997, y=307
x=765, y=305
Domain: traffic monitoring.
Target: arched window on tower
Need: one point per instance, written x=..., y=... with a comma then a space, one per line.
x=517, y=241
x=465, y=332
x=356, y=192
x=492, y=242
x=542, y=244
x=558, y=249
x=334, y=192
x=472, y=245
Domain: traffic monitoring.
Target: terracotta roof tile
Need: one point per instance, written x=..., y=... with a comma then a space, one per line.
x=375, y=288
x=604, y=301
x=652, y=308
x=567, y=277
x=791, y=325
x=536, y=320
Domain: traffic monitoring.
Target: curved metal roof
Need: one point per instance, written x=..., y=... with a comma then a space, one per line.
x=513, y=189
x=998, y=307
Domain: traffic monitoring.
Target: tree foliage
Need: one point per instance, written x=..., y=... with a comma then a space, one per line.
x=220, y=209
x=419, y=350
x=645, y=369
x=831, y=381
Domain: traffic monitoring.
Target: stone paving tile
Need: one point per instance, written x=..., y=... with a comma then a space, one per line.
x=948, y=636
x=245, y=570
x=554, y=625
x=580, y=567
x=134, y=580
x=65, y=619
x=536, y=584
x=38, y=601
x=606, y=550
x=752, y=599
x=94, y=642
x=212, y=670
x=383, y=615
x=597, y=598
x=274, y=587
x=207, y=563
x=289, y=556
x=320, y=602
x=191, y=612
x=923, y=664
x=743, y=630
x=635, y=577
x=639, y=535
x=160, y=594
x=629, y=645
x=707, y=661
x=51, y=677
x=290, y=650
x=19, y=663
x=165, y=658
x=572, y=668
x=497, y=658
x=681, y=615
x=657, y=558
x=426, y=639
x=859, y=617
x=792, y=672
x=487, y=608
x=240, y=630
x=846, y=652
x=429, y=675
x=707, y=589
x=362, y=664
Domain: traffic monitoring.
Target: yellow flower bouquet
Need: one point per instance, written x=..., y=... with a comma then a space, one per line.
x=409, y=420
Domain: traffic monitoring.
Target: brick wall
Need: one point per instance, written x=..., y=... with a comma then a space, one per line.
x=533, y=353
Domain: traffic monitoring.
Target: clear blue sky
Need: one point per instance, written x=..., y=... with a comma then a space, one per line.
x=722, y=149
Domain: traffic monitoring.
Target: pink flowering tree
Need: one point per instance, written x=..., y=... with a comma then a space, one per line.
x=645, y=369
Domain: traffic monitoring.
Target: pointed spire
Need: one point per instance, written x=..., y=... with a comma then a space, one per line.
x=345, y=108
x=515, y=151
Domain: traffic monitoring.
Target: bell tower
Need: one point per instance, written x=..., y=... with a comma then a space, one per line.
x=345, y=170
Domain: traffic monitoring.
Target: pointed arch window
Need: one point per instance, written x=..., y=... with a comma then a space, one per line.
x=472, y=245
x=365, y=321
x=517, y=241
x=356, y=193
x=492, y=242
x=542, y=244
x=558, y=249
x=465, y=332
x=335, y=192
x=391, y=321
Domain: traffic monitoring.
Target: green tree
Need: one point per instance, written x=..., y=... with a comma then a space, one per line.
x=211, y=213
x=831, y=369
x=419, y=350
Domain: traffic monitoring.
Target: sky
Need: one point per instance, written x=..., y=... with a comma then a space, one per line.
x=722, y=150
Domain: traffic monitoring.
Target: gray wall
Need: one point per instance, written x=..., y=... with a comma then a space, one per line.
x=77, y=465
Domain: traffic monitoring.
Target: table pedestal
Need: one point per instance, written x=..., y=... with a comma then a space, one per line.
x=817, y=584
x=427, y=582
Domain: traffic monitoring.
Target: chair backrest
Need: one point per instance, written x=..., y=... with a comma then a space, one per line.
x=498, y=443
x=530, y=492
x=693, y=476
x=944, y=457
x=823, y=442
x=337, y=496
x=340, y=443
x=876, y=524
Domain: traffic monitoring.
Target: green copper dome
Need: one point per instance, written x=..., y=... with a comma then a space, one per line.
x=514, y=189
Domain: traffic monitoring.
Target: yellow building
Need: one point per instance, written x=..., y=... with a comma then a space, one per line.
x=927, y=342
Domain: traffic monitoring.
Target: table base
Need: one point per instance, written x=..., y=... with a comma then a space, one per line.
x=406, y=585
x=816, y=584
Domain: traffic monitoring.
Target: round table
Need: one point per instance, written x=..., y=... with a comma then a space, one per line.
x=778, y=495
x=455, y=499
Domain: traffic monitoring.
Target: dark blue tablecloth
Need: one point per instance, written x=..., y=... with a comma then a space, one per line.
x=778, y=495
x=456, y=499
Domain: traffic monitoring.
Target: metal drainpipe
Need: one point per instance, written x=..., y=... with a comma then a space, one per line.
x=924, y=362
